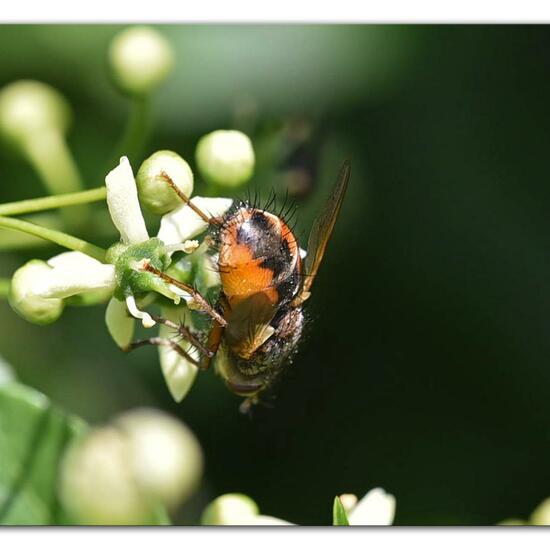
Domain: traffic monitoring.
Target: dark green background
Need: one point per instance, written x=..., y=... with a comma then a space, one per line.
x=426, y=367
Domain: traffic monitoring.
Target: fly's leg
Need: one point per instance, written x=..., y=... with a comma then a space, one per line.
x=158, y=341
x=214, y=340
x=208, y=351
x=211, y=220
x=185, y=333
x=199, y=300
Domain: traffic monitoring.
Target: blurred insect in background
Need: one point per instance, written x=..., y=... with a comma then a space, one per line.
x=258, y=318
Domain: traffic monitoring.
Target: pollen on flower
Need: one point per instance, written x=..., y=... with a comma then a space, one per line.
x=190, y=246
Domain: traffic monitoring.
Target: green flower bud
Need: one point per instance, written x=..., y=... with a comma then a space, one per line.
x=225, y=157
x=140, y=59
x=29, y=108
x=154, y=192
x=120, y=473
x=230, y=509
x=41, y=311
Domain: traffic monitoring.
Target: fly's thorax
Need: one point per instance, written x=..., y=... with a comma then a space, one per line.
x=258, y=254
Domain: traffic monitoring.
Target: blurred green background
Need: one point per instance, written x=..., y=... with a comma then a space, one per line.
x=426, y=365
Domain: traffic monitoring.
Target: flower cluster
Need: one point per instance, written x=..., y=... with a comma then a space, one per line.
x=34, y=120
x=41, y=289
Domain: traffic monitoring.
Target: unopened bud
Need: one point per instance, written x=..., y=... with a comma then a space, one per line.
x=541, y=515
x=230, y=509
x=154, y=190
x=225, y=157
x=140, y=59
x=119, y=474
x=41, y=311
x=29, y=108
x=166, y=457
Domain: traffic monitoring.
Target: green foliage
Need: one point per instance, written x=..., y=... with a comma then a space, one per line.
x=339, y=516
x=33, y=436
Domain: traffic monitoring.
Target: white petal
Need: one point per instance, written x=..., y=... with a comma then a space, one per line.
x=123, y=203
x=183, y=223
x=119, y=323
x=178, y=372
x=376, y=508
x=73, y=273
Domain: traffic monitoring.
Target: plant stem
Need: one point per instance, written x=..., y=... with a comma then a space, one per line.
x=52, y=159
x=49, y=203
x=50, y=156
x=4, y=287
x=57, y=237
x=135, y=133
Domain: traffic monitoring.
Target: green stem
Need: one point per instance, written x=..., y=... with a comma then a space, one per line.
x=4, y=287
x=50, y=156
x=135, y=133
x=57, y=237
x=49, y=203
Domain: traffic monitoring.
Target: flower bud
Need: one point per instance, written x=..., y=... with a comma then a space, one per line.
x=541, y=515
x=140, y=59
x=225, y=157
x=41, y=311
x=154, y=191
x=230, y=509
x=166, y=458
x=120, y=473
x=29, y=108
x=97, y=487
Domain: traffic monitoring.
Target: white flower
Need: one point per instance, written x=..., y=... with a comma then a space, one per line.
x=184, y=223
x=178, y=372
x=123, y=203
x=376, y=508
x=74, y=273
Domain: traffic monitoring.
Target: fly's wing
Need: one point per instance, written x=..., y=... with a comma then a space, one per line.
x=249, y=324
x=322, y=230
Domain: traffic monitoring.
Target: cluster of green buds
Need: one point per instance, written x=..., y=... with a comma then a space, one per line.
x=34, y=119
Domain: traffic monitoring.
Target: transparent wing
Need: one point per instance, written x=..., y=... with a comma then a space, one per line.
x=322, y=229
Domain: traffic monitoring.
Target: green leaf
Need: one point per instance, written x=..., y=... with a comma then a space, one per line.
x=33, y=436
x=339, y=516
